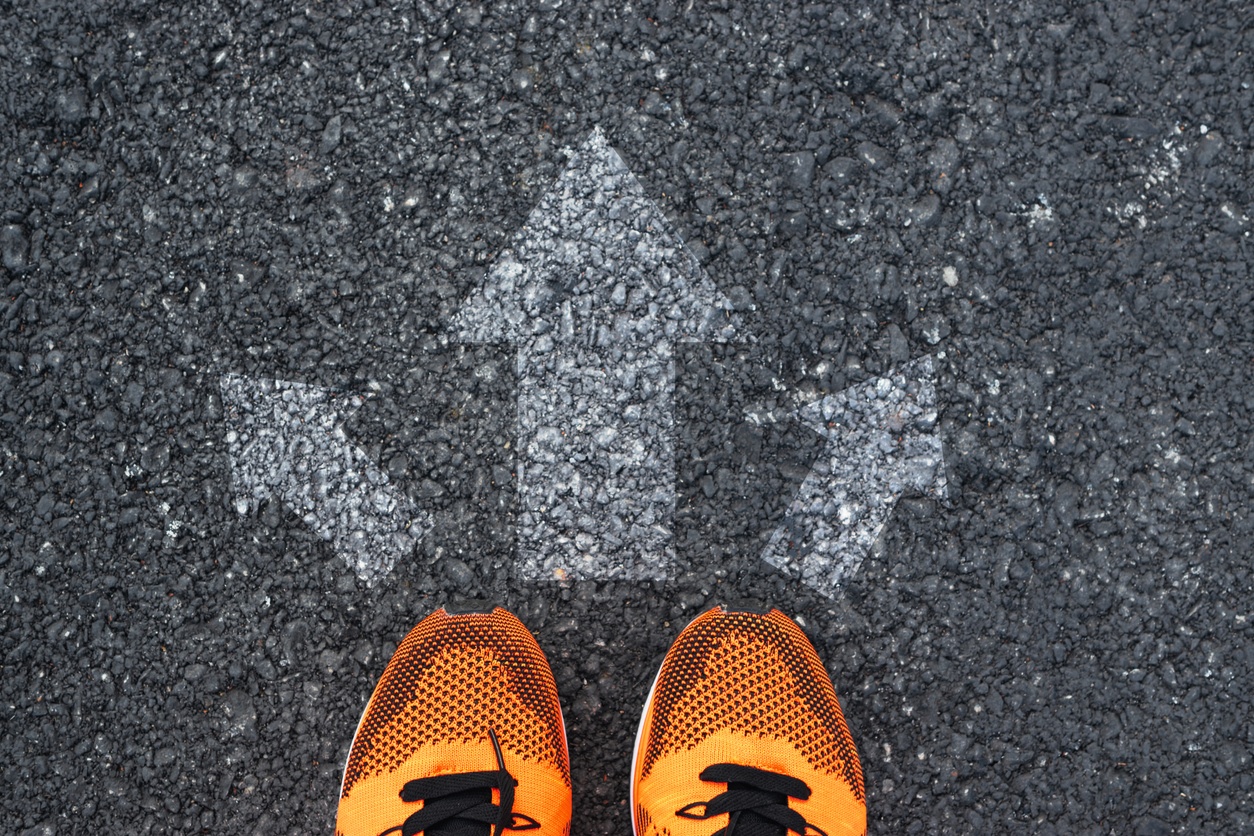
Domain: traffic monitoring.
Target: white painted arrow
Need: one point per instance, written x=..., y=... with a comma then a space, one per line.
x=285, y=440
x=881, y=440
x=594, y=292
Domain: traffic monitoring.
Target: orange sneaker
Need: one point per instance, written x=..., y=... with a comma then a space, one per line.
x=743, y=727
x=463, y=736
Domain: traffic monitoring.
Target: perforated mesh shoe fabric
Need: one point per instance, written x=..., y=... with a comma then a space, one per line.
x=743, y=735
x=463, y=736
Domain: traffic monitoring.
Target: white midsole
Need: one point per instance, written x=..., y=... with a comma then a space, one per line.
x=635, y=752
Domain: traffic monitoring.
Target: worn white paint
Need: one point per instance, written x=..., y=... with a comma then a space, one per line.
x=881, y=441
x=593, y=293
x=285, y=441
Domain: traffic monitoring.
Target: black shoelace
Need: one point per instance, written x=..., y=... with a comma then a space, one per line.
x=461, y=804
x=756, y=800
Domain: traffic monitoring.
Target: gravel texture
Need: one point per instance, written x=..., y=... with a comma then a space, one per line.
x=880, y=444
x=1051, y=201
x=594, y=294
x=286, y=443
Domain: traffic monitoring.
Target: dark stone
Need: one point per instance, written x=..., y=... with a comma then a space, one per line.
x=842, y=170
x=14, y=248
x=799, y=169
x=331, y=135
x=1131, y=127
x=875, y=156
x=71, y=106
x=1150, y=826
x=925, y=211
x=1208, y=149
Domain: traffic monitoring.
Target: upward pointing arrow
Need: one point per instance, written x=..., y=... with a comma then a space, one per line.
x=594, y=292
x=881, y=441
x=285, y=440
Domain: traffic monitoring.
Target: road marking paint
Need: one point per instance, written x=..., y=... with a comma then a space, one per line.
x=285, y=440
x=593, y=293
x=881, y=440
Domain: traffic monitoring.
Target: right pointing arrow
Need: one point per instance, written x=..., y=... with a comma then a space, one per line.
x=881, y=440
x=285, y=440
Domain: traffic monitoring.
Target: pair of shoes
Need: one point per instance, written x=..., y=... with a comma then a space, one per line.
x=742, y=735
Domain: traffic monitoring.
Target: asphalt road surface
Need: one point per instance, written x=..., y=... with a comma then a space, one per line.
x=930, y=324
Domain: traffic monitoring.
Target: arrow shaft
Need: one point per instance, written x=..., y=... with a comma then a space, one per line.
x=596, y=471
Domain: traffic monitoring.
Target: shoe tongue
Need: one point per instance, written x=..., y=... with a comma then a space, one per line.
x=750, y=823
x=465, y=827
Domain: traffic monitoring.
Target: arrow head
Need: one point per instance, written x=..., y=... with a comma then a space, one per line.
x=596, y=263
x=889, y=424
x=285, y=441
x=881, y=441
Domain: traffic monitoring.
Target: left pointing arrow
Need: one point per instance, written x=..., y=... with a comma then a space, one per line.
x=286, y=441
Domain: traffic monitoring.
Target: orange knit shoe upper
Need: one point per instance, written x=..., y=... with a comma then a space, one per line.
x=463, y=734
x=743, y=734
